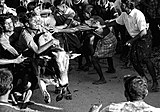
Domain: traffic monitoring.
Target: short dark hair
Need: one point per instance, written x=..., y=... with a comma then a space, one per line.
x=46, y=5
x=58, y=2
x=135, y=87
x=3, y=18
x=21, y=9
x=129, y=3
x=98, y=18
x=6, y=79
x=24, y=17
x=31, y=6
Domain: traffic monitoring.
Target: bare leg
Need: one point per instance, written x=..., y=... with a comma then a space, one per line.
x=111, y=68
x=44, y=91
x=99, y=71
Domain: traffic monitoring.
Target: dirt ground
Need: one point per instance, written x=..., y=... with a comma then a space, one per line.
x=85, y=93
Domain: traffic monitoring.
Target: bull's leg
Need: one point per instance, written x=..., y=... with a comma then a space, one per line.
x=68, y=94
x=44, y=91
x=26, y=96
x=60, y=95
x=57, y=90
x=64, y=93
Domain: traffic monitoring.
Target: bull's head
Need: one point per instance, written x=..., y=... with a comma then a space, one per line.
x=62, y=59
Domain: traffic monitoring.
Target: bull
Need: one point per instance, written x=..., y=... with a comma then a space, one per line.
x=51, y=67
x=59, y=79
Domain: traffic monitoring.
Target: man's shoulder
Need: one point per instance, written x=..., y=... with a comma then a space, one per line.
x=123, y=15
x=137, y=12
x=113, y=107
x=130, y=106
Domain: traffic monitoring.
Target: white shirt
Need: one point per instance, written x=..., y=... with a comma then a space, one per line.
x=134, y=22
x=137, y=106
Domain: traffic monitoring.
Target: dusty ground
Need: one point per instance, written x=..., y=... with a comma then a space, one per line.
x=85, y=93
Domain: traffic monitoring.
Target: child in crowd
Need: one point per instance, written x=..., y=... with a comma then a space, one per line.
x=105, y=47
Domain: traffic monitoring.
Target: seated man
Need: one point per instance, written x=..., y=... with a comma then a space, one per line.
x=9, y=57
x=8, y=35
x=6, y=86
x=135, y=92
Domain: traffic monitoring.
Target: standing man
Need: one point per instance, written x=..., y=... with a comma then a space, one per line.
x=140, y=42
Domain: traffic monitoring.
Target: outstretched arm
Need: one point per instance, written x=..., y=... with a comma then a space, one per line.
x=31, y=44
x=18, y=60
x=110, y=23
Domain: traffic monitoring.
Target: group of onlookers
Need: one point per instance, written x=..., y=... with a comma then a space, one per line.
x=115, y=26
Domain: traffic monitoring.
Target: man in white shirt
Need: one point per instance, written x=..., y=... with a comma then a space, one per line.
x=140, y=42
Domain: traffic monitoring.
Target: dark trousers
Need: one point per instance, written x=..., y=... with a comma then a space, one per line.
x=155, y=31
x=140, y=54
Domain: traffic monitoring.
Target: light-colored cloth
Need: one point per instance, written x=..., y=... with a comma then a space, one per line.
x=5, y=43
x=106, y=46
x=138, y=106
x=49, y=22
x=9, y=10
x=70, y=12
x=135, y=22
x=45, y=38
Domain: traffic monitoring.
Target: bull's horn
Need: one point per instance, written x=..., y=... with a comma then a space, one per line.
x=74, y=55
x=54, y=53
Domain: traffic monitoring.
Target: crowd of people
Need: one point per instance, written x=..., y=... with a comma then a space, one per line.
x=96, y=29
